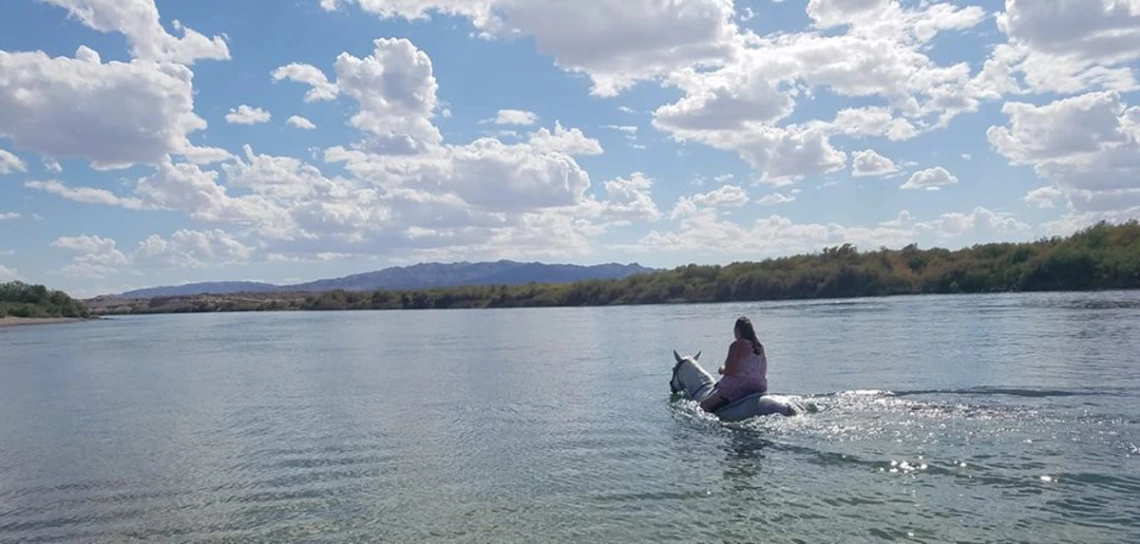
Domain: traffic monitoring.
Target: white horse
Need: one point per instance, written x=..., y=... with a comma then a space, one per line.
x=693, y=383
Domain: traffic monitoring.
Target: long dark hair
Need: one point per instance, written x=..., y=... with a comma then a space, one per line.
x=747, y=332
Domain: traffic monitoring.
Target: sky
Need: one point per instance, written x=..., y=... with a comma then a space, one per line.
x=149, y=142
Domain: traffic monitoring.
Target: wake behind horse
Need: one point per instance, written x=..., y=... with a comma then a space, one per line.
x=693, y=383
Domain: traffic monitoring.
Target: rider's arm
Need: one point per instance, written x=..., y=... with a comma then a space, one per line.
x=737, y=351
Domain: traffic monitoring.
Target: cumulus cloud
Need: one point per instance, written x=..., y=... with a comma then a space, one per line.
x=1064, y=128
x=10, y=163
x=246, y=115
x=89, y=195
x=1043, y=197
x=727, y=196
x=396, y=93
x=115, y=114
x=569, y=141
x=616, y=43
x=297, y=121
x=9, y=216
x=979, y=220
x=97, y=257
x=138, y=20
x=8, y=274
x=320, y=87
x=515, y=117
x=775, y=199
x=872, y=121
x=191, y=249
x=869, y=163
x=930, y=179
x=1087, y=146
x=631, y=199
x=93, y=256
x=1067, y=46
x=704, y=234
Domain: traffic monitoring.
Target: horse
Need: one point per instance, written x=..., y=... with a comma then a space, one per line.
x=693, y=383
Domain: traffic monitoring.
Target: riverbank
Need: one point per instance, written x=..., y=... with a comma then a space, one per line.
x=1102, y=257
x=11, y=321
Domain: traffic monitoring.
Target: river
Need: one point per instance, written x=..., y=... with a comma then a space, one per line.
x=995, y=418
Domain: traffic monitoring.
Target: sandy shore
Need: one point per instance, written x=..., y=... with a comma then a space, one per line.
x=10, y=321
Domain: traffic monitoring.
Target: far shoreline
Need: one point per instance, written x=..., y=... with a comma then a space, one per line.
x=12, y=321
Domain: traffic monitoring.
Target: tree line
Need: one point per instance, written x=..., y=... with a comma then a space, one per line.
x=1102, y=256
x=19, y=299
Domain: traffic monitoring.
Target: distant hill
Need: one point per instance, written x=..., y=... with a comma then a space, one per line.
x=419, y=276
x=214, y=288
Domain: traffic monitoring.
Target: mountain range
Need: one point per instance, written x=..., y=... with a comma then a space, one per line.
x=419, y=276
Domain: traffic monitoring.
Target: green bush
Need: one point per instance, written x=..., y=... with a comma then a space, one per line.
x=19, y=299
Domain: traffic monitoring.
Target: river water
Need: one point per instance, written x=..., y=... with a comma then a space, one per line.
x=998, y=418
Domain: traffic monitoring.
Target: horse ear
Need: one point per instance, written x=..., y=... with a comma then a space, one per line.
x=676, y=356
x=697, y=356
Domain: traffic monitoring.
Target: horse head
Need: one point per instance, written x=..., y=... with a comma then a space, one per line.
x=674, y=383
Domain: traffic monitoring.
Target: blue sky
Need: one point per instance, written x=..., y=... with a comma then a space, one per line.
x=146, y=143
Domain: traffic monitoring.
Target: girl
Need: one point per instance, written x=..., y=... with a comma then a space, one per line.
x=745, y=370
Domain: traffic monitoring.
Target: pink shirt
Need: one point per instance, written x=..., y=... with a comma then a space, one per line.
x=752, y=377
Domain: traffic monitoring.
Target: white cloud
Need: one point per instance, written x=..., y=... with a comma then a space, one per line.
x=727, y=196
x=1043, y=197
x=94, y=256
x=52, y=166
x=775, y=199
x=300, y=122
x=829, y=13
x=98, y=257
x=9, y=216
x=191, y=249
x=8, y=274
x=630, y=131
x=396, y=92
x=703, y=234
x=616, y=43
x=88, y=195
x=870, y=163
x=1068, y=46
x=1087, y=146
x=881, y=53
x=115, y=114
x=872, y=121
x=631, y=199
x=514, y=117
x=246, y=115
x=138, y=20
x=568, y=141
x=425, y=198
x=1064, y=128
x=9, y=163
x=930, y=179
x=731, y=196
x=321, y=89
x=1072, y=222
x=187, y=188
x=980, y=220
x=902, y=220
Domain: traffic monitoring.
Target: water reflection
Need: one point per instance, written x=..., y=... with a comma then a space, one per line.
x=744, y=458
